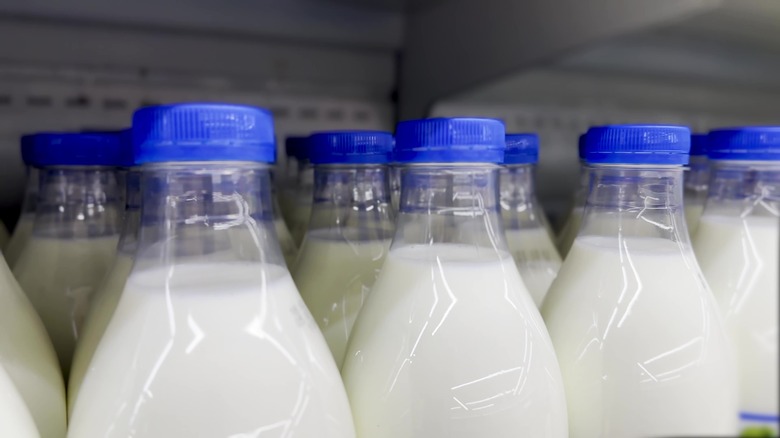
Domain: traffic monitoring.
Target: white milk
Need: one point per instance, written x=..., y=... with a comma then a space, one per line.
x=27, y=355
x=104, y=304
x=216, y=350
x=569, y=231
x=334, y=278
x=692, y=214
x=289, y=250
x=450, y=344
x=739, y=258
x=536, y=259
x=59, y=276
x=15, y=418
x=19, y=239
x=638, y=341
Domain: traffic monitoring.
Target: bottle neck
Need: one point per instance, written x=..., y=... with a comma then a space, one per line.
x=698, y=174
x=443, y=203
x=583, y=187
x=519, y=206
x=305, y=183
x=77, y=202
x=352, y=201
x=128, y=240
x=739, y=188
x=220, y=212
x=291, y=170
x=635, y=201
x=30, y=202
x=305, y=175
x=395, y=179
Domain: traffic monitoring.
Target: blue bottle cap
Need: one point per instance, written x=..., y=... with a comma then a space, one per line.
x=638, y=144
x=581, y=146
x=126, y=140
x=26, y=146
x=698, y=144
x=522, y=149
x=203, y=132
x=450, y=140
x=73, y=149
x=295, y=146
x=754, y=143
x=351, y=147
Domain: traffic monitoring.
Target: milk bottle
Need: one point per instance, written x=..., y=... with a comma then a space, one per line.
x=572, y=225
x=737, y=247
x=638, y=335
x=210, y=337
x=27, y=355
x=395, y=185
x=292, y=147
x=15, y=418
x=107, y=295
x=289, y=249
x=75, y=231
x=24, y=225
x=449, y=342
x=524, y=222
x=299, y=208
x=349, y=232
x=696, y=180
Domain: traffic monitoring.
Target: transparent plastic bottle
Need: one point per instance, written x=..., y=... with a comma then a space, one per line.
x=527, y=232
x=300, y=202
x=15, y=418
x=395, y=185
x=24, y=225
x=28, y=357
x=74, y=234
x=292, y=148
x=289, y=186
x=638, y=334
x=210, y=337
x=107, y=295
x=350, y=230
x=289, y=248
x=449, y=342
x=737, y=247
x=572, y=225
x=696, y=181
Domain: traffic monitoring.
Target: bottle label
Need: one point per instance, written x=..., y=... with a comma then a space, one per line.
x=753, y=424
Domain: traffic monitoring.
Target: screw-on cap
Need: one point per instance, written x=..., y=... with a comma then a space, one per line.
x=203, y=132
x=757, y=143
x=581, y=146
x=351, y=147
x=295, y=146
x=637, y=144
x=450, y=140
x=72, y=149
x=522, y=149
x=698, y=144
x=26, y=146
x=125, y=143
x=127, y=155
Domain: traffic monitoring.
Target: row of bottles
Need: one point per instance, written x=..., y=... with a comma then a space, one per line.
x=404, y=301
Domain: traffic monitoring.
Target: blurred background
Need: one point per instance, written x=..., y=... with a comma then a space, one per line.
x=553, y=67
